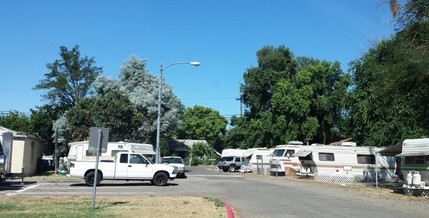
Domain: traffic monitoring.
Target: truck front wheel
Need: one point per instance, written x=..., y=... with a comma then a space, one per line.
x=160, y=179
x=89, y=178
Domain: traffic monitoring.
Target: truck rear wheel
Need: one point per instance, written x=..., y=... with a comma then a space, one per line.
x=160, y=179
x=89, y=178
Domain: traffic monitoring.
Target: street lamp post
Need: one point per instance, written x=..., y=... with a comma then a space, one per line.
x=158, y=125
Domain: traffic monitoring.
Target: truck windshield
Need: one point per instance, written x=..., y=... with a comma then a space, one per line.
x=279, y=152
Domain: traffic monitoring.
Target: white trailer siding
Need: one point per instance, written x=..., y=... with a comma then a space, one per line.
x=346, y=164
x=415, y=158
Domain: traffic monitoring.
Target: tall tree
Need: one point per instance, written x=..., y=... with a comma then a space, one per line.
x=204, y=123
x=69, y=78
x=310, y=105
x=142, y=90
x=390, y=91
x=259, y=82
x=41, y=122
x=112, y=110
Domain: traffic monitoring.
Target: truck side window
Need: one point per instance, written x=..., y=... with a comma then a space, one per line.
x=137, y=159
x=124, y=158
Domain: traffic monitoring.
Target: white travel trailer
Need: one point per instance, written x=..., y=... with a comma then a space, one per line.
x=259, y=162
x=282, y=160
x=78, y=151
x=345, y=163
x=236, y=152
x=415, y=163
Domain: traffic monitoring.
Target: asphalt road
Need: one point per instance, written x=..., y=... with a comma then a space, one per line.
x=250, y=195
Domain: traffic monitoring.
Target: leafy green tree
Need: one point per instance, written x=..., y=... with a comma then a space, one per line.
x=69, y=79
x=142, y=90
x=202, y=153
x=204, y=123
x=236, y=136
x=389, y=101
x=112, y=110
x=41, y=122
x=259, y=82
x=17, y=121
x=310, y=105
x=290, y=98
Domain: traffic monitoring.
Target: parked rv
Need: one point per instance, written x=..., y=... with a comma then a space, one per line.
x=415, y=163
x=78, y=151
x=345, y=163
x=259, y=162
x=283, y=160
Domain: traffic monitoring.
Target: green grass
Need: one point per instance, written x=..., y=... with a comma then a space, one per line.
x=217, y=202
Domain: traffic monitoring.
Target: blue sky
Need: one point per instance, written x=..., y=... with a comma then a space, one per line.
x=223, y=35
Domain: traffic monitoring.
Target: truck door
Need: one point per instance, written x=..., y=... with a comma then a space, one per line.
x=121, y=167
x=139, y=167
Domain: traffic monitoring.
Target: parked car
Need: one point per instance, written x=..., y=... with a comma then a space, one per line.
x=230, y=163
x=175, y=161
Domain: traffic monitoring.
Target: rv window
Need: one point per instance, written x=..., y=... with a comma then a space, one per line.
x=326, y=157
x=417, y=160
x=279, y=152
x=365, y=159
x=114, y=152
x=90, y=153
x=409, y=160
x=289, y=153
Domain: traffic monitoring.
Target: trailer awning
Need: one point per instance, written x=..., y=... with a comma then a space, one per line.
x=303, y=153
x=424, y=153
x=392, y=151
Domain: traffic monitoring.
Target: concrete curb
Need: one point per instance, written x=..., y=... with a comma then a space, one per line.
x=229, y=211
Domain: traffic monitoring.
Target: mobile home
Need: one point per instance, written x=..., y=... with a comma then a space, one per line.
x=345, y=163
x=259, y=161
x=283, y=162
x=415, y=162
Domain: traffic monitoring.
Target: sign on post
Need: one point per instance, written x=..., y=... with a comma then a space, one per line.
x=97, y=142
x=93, y=139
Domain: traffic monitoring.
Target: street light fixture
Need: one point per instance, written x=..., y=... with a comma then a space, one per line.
x=158, y=126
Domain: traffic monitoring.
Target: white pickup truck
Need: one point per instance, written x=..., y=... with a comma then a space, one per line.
x=125, y=166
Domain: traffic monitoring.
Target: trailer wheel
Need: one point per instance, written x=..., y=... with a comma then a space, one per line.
x=160, y=179
x=89, y=178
